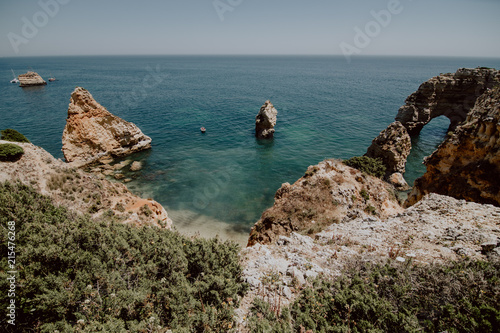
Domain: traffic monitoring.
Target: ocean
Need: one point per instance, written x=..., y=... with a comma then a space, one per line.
x=220, y=182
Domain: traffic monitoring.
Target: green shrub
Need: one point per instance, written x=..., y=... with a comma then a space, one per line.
x=372, y=166
x=461, y=296
x=364, y=194
x=13, y=135
x=79, y=274
x=10, y=152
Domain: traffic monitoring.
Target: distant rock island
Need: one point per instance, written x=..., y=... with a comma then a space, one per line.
x=92, y=132
x=31, y=79
x=265, y=121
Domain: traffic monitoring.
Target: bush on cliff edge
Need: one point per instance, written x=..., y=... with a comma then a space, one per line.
x=10, y=152
x=372, y=166
x=13, y=135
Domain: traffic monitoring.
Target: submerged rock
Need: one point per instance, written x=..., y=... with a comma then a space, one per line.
x=31, y=79
x=467, y=164
x=265, y=121
x=92, y=132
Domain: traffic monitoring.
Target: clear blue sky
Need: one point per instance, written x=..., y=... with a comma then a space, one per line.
x=109, y=27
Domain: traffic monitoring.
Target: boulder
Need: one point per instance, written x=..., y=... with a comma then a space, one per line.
x=92, y=132
x=136, y=166
x=398, y=181
x=265, y=121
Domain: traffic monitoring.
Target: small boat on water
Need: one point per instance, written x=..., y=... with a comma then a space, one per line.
x=203, y=130
x=51, y=78
x=14, y=80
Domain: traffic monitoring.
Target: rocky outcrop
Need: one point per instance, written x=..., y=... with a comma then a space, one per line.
x=265, y=121
x=80, y=191
x=437, y=229
x=392, y=146
x=467, y=164
x=92, y=131
x=30, y=79
x=449, y=95
x=328, y=193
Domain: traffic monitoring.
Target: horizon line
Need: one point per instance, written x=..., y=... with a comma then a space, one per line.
x=253, y=55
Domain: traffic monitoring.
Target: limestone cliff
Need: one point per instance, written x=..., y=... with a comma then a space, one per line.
x=467, y=164
x=450, y=95
x=265, y=121
x=30, y=79
x=327, y=194
x=92, y=131
x=80, y=191
x=392, y=146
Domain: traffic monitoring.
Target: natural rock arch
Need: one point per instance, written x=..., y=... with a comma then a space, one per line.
x=449, y=95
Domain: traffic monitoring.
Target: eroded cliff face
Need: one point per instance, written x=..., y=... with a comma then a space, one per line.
x=467, y=164
x=328, y=193
x=392, y=146
x=92, y=131
x=80, y=191
x=450, y=95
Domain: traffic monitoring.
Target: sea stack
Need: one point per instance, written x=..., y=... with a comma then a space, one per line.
x=265, y=121
x=92, y=131
x=30, y=79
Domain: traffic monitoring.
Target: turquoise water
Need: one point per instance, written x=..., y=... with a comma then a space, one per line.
x=224, y=179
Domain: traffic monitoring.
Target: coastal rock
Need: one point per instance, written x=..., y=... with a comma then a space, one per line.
x=467, y=164
x=392, y=146
x=398, y=181
x=265, y=121
x=449, y=95
x=82, y=192
x=92, y=132
x=438, y=229
x=30, y=79
x=328, y=193
x=136, y=166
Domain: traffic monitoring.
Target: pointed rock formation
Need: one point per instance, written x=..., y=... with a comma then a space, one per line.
x=467, y=164
x=392, y=146
x=92, y=131
x=450, y=95
x=265, y=121
x=30, y=79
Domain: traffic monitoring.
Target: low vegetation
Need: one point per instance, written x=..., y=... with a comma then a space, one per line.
x=10, y=152
x=461, y=296
x=372, y=166
x=76, y=274
x=13, y=135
